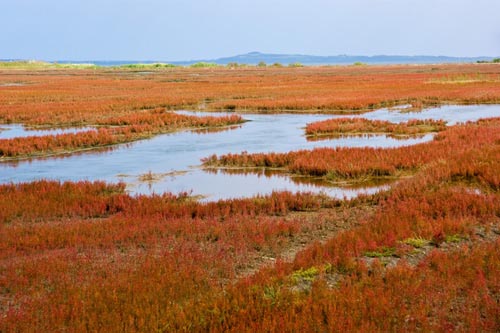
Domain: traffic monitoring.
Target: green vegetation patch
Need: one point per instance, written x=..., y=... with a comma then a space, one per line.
x=33, y=64
x=453, y=238
x=383, y=252
x=308, y=274
x=417, y=242
x=204, y=65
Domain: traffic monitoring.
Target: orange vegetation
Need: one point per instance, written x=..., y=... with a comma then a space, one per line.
x=88, y=97
x=85, y=97
x=117, y=130
x=421, y=256
x=453, y=286
x=342, y=126
x=351, y=163
x=88, y=257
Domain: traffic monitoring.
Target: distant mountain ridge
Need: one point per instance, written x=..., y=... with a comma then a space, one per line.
x=253, y=58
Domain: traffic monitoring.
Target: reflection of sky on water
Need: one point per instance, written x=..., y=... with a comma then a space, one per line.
x=182, y=151
x=17, y=131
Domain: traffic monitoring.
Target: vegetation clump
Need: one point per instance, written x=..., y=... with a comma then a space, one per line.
x=417, y=242
x=236, y=65
x=349, y=126
x=305, y=274
x=146, y=66
x=494, y=61
x=204, y=65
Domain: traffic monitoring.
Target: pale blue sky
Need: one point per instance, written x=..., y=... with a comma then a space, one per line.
x=188, y=29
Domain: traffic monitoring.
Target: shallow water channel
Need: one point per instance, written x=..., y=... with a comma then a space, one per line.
x=18, y=131
x=171, y=162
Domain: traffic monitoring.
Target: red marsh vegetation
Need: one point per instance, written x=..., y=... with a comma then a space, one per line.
x=86, y=97
x=130, y=98
x=88, y=257
x=353, y=163
x=110, y=131
x=350, y=126
x=423, y=255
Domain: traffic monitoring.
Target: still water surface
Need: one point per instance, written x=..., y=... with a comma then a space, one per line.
x=18, y=131
x=174, y=159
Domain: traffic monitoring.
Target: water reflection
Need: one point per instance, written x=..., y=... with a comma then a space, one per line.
x=366, y=136
x=218, y=184
x=215, y=129
x=452, y=114
x=17, y=131
x=176, y=157
x=14, y=163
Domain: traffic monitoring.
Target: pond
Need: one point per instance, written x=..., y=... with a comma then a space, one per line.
x=171, y=162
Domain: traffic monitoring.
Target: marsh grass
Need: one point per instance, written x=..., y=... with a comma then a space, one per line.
x=383, y=252
x=308, y=274
x=417, y=242
x=465, y=78
x=454, y=238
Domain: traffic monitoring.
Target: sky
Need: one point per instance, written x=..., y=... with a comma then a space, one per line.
x=207, y=29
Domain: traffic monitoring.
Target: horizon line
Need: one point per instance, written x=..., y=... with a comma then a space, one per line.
x=249, y=54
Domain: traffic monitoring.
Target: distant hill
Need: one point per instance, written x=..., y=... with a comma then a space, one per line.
x=254, y=58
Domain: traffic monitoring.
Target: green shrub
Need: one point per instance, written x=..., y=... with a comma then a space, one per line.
x=417, y=242
x=305, y=274
x=383, y=252
x=202, y=64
